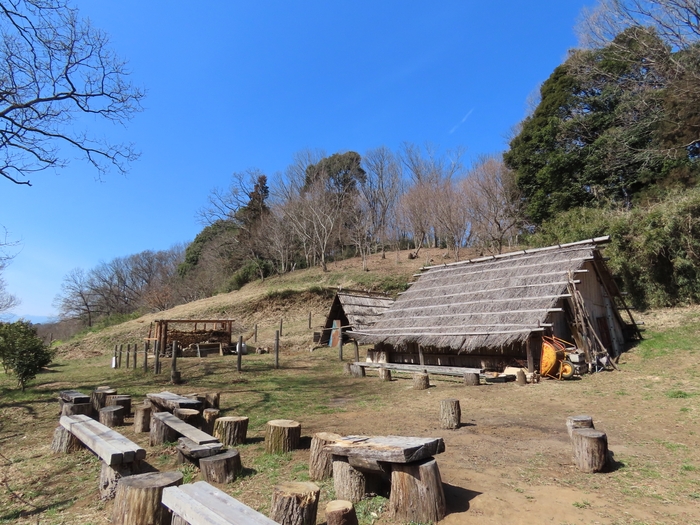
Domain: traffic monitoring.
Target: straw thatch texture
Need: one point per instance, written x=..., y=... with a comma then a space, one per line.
x=363, y=310
x=481, y=304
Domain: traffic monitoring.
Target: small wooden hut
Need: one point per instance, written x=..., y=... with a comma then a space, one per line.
x=492, y=312
x=353, y=309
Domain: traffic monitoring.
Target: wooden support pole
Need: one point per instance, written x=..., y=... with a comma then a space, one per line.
x=145, y=356
x=309, y=320
x=533, y=347
x=174, y=374
x=128, y=355
x=255, y=335
x=349, y=484
x=280, y=327
x=277, y=349
x=421, y=359
x=136, y=352
x=115, y=360
x=340, y=344
x=119, y=357
x=239, y=353
x=156, y=351
x=416, y=492
x=357, y=351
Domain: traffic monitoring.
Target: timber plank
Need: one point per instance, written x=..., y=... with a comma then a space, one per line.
x=73, y=396
x=108, y=444
x=191, y=449
x=390, y=449
x=169, y=401
x=431, y=369
x=185, y=429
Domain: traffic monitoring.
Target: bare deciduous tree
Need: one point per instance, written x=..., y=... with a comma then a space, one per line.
x=56, y=67
x=7, y=300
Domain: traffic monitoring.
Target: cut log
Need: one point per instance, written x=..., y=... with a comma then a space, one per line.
x=340, y=512
x=281, y=435
x=120, y=400
x=320, y=461
x=110, y=476
x=138, y=498
x=416, y=492
x=231, y=430
x=211, y=400
x=175, y=377
x=98, y=398
x=590, y=449
x=384, y=374
x=520, y=378
x=190, y=416
x=347, y=369
x=64, y=441
x=72, y=409
x=112, y=416
x=142, y=419
x=221, y=468
x=421, y=381
x=357, y=370
x=573, y=422
x=450, y=413
x=349, y=483
x=472, y=379
x=295, y=503
x=161, y=432
x=209, y=416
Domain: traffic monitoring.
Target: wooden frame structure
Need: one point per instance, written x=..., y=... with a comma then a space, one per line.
x=161, y=329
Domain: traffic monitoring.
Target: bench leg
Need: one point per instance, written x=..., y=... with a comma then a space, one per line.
x=416, y=492
x=110, y=476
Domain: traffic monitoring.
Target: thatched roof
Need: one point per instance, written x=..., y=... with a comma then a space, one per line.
x=483, y=303
x=363, y=310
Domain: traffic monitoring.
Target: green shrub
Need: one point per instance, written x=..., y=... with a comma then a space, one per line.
x=250, y=272
x=22, y=352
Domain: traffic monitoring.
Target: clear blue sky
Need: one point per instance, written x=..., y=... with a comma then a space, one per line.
x=234, y=85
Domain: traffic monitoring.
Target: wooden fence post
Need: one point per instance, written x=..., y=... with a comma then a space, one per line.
x=309, y=320
x=239, y=352
x=119, y=358
x=156, y=350
x=136, y=352
x=145, y=356
x=128, y=354
x=255, y=336
x=277, y=349
x=174, y=374
x=280, y=327
x=340, y=344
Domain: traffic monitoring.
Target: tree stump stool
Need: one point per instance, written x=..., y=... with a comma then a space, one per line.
x=64, y=441
x=221, y=468
x=142, y=419
x=98, y=399
x=384, y=374
x=295, y=503
x=281, y=435
x=520, y=378
x=110, y=476
x=472, y=379
x=321, y=462
x=349, y=483
x=421, y=381
x=211, y=400
x=138, y=498
x=231, y=430
x=209, y=416
x=357, y=370
x=119, y=400
x=347, y=369
x=450, y=413
x=112, y=416
x=190, y=416
x=573, y=422
x=416, y=492
x=160, y=432
x=590, y=449
x=340, y=512
x=74, y=409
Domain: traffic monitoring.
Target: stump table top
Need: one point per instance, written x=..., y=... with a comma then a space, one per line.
x=391, y=449
x=170, y=401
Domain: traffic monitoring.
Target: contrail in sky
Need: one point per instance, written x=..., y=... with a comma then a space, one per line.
x=461, y=121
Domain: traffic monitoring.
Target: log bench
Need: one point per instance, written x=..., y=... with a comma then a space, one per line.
x=167, y=427
x=73, y=402
x=456, y=371
x=416, y=492
x=168, y=402
x=202, y=504
x=120, y=456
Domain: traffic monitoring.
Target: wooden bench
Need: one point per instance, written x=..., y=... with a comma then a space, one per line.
x=167, y=401
x=457, y=371
x=109, y=445
x=73, y=396
x=361, y=462
x=167, y=427
x=202, y=504
x=73, y=402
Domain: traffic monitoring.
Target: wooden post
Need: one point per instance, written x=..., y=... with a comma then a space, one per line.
x=128, y=355
x=174, y=374
x=239, y=352
x=142, y=418
x=416, y=492
x=280, y=327
x=116, y=359
x=255, y=335
x=138, y=498
x=357, y=370
x=209, y=417
x=277, y=349
x=164, y=339
x=119, y=357
x=350, y=484
x=295, y=503
x=357, y=351
x=309, y=320
x=450, y=413
x=156, y=351
x=136, y=352
x=533, y=347
x=340, y=344
x=421, y=359
x=145, y=356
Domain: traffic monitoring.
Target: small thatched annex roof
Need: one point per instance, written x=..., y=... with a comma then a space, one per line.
x=482, y=303
x=359, y=309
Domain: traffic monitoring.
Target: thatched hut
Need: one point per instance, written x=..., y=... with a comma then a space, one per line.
x=354, y=310
x=492, y=312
